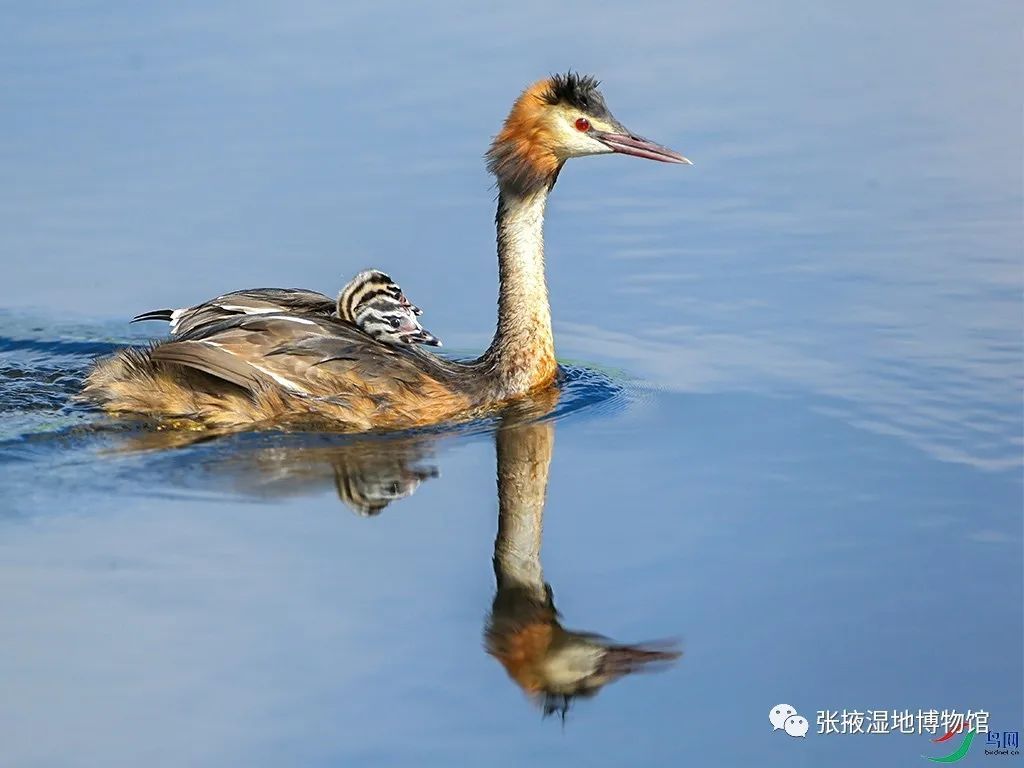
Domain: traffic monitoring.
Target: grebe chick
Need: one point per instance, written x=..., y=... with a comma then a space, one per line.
x=373, y=302
x=293, y=367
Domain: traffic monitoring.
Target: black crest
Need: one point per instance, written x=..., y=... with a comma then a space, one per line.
x=579, y=91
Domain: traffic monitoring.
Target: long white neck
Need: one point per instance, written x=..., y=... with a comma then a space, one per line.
x=523, y=351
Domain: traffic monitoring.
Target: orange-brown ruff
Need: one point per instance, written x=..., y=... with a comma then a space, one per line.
x=297, y=368
x=525, y=149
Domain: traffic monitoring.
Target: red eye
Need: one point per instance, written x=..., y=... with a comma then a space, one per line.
x=582, y=124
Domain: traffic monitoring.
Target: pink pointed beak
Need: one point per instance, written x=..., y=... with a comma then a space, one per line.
x=628, y=144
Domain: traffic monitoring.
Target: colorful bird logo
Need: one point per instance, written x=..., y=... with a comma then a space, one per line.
x=959, y=753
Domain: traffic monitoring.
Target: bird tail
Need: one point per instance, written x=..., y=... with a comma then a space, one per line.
x=156, y=314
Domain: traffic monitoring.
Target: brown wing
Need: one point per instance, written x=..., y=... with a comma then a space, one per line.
x=283, y=299
x=251, y=301
x=256, y=350
x=209, y=358
x=325, y=368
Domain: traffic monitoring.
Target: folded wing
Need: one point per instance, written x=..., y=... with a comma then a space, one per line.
x=251, y=301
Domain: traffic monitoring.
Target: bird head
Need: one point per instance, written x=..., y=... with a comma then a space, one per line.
x=555, y=119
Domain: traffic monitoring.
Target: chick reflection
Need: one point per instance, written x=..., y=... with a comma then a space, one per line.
x=368, y=473
x=375, y=485
x=549, y=662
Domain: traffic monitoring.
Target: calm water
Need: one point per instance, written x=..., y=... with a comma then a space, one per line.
x=790, y=433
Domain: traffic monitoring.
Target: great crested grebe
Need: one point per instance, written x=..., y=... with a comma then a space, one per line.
x=287, y=366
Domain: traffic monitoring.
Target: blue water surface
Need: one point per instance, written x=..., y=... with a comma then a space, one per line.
x=790, y=433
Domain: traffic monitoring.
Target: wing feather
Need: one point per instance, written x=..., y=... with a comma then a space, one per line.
x=251, y=301
x=208, y=358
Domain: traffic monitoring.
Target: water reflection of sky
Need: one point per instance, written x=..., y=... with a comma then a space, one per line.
x=824, y=313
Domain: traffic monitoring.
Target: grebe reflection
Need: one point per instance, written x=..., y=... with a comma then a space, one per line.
x=552, y=664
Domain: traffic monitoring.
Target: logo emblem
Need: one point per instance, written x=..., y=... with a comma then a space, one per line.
x=784, y=717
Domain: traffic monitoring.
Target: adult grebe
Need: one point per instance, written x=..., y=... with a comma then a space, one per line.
x=295, y=367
